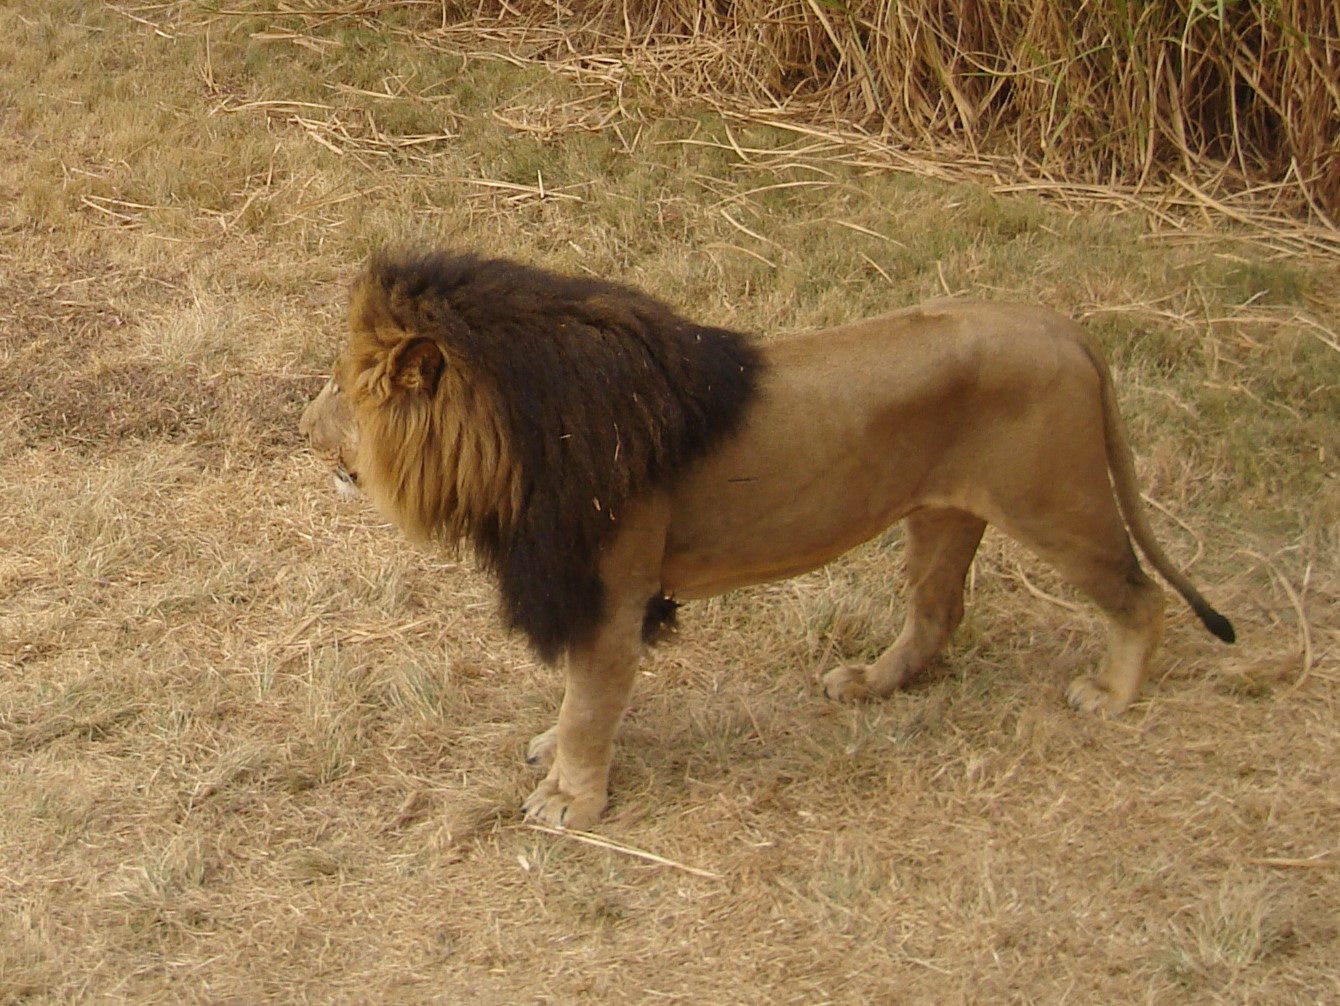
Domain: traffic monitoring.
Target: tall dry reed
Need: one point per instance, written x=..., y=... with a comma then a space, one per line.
x=1225, y=94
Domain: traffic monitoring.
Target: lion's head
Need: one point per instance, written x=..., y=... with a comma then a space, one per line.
x=328, y=424
x=522, y=411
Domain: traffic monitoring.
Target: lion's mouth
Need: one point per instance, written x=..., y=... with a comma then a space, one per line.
x=346, y=482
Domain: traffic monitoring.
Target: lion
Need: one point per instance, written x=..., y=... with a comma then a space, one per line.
x=607, y=459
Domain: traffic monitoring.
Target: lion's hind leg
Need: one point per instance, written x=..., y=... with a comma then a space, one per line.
x=1132, y=642
x=941, y=543
x=1133, y=604
x=1096, y=557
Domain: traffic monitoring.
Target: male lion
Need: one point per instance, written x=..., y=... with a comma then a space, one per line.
x=605, y=457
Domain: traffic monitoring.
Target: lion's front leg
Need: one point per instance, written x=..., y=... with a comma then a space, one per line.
x=599, y=683
x=600, y=678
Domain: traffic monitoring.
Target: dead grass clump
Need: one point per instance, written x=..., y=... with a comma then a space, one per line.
x=1239, y=925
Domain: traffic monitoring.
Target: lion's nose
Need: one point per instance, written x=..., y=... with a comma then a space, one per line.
x=305, y=422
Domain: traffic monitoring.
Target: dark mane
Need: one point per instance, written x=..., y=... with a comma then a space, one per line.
x=603, y=393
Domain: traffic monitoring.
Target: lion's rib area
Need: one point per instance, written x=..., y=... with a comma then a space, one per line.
x=562, y=400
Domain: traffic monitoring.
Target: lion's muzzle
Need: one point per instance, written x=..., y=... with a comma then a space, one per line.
x=346, y=482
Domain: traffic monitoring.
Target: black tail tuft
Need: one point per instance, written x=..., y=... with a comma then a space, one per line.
x=659, y=620
x=1217, y=624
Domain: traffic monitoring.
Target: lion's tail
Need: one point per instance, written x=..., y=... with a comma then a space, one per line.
x=1121, y=463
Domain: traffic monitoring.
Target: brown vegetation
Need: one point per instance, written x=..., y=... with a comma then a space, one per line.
x=1217, y=97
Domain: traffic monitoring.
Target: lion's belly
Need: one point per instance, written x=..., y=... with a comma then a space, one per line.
x=728, y=531
x=692, y=577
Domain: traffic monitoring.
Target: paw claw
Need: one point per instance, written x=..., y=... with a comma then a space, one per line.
x=551, y=806
x=542, y=748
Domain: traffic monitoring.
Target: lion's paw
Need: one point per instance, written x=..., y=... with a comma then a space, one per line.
x=542, y=748
x=848, y=684
x=1089, y=695
x=550, y=805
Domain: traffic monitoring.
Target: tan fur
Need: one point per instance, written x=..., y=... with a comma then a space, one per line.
x=951, y=415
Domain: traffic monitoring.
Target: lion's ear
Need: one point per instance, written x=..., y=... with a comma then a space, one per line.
x=417, y=366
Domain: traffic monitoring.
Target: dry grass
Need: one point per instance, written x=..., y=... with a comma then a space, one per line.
x=253, y=748
x=1222, y=98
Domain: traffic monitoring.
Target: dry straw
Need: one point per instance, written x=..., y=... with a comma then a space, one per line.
x=1226, y=104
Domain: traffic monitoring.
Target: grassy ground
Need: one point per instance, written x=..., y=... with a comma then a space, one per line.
x=255, y=749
